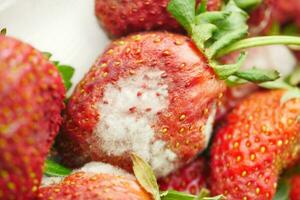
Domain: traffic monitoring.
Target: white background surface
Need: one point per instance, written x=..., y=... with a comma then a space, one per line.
x=66, y=28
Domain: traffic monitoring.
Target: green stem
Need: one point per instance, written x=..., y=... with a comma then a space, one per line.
x=259, y=41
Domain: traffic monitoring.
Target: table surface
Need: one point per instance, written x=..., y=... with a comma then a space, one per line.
x=66, y=28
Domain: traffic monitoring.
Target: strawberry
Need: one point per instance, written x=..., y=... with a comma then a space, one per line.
x=272, y=12
x=146, y=94
x=277, y=57
x=121, y=17
x=95, y=181
x=259, y=139
x=285, y=11
x=294, y=190
x=190, y=178
x=32, y=94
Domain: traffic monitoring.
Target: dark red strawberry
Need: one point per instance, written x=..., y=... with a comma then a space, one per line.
x=232, y=96
x=190, y=178
x=260, y=138
x=32, y=94
x=285, y=11
x=95, y=181
x=274, y=11
x=295, y=188
x=121, y=17
x=153, y=94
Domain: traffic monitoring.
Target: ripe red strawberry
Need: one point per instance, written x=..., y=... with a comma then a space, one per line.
x=190, y=178
x=31, y=93
x=274, y=11
x=285, y=11
x=95, y=182
x=153, y=94
x=232, y=96
x=295, y=185
x=260, y=138
x=276, y=57
x=121, y=17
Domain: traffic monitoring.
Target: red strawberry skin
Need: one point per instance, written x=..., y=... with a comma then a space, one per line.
x=121, y=17
x=32, y=94
x=295, y=185
x=180, y=125
x=190, y=178
x=286, y=11
x=82, y=185
x=260, y=138
x=274, y=11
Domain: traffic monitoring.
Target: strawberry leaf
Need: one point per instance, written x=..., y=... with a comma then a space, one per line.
x=145, y=176
x=277, y=84
x=3, y=31
x=231, y=29
x=65, y=71
x=174, y=195
x=52, y=168
x=211, y=31
x=203, y=195
x=283, y=190
x=294, y=79
x=184, y=11
x=202, y=7
x=290, y=94
x=248, y=4
x=224, y=71
x=258, y=75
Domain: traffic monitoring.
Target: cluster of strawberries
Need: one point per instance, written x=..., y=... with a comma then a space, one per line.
x=159, y=95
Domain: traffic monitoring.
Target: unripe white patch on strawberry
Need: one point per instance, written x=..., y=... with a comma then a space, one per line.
x=276, y=57
x=210, y=124
x=46, y=180
x=102, y=168
x=128, y=111
x=90, y=168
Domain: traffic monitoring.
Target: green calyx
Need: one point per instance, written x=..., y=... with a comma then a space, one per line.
x=248, y=4
x=147, y=180
x=65, y=71
x=52, y=168
x=290, y=84
x=3, y=31
x=218, y=33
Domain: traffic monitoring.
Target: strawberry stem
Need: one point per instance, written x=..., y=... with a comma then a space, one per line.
x=259, y=41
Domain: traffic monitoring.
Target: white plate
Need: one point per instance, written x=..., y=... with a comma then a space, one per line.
x=66, y=28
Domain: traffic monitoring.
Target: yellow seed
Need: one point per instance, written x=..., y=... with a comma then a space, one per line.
x=104, y=74
x=262, y=149
x=34, y=188
x=104, y=65
x=244, y=173
x=238, y=158
x=11, y=186
x=177, y=42
x=110, y=51
x=236, y=145
x=182, y=117
x=164, y=130
x=279, y=143
x=252, y=157
x=257, y=190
